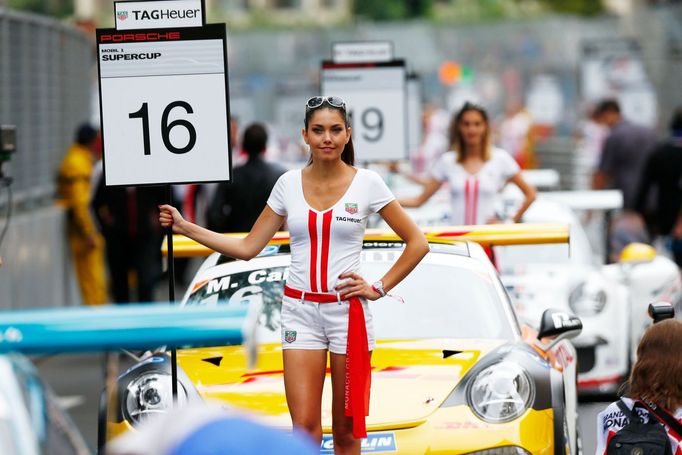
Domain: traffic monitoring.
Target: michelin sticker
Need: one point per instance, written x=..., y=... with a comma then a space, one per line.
x=373, y=443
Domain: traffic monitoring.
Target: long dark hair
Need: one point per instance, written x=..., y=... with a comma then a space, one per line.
x=457, y=141
x=657, y=371
x=348, y=154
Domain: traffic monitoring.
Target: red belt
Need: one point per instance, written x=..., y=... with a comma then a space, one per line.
x=358, y=368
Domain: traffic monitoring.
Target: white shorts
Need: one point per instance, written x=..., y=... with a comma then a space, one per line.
x=311, y=325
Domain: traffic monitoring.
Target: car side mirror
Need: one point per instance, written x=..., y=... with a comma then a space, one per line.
x=658, y=311
x=558, y=325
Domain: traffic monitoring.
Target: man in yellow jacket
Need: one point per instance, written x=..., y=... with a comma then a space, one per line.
x=74, y=188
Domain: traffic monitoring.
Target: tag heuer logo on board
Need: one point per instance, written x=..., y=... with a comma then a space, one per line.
x=352, y=208
x=122, y=15
x=289, y=336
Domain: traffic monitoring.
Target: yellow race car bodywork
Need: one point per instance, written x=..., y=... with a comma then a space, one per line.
x=419, y=396
x=410, y=381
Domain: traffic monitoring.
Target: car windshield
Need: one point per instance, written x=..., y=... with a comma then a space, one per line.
x=446, y=296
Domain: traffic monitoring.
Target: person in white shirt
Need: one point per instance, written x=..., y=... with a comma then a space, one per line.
x=476, y=172
x=326, y=206
x=656, y=378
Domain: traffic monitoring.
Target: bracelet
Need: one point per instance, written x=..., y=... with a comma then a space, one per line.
x=378, y=287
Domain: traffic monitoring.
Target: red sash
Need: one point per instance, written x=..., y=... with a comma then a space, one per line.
x=358, y=368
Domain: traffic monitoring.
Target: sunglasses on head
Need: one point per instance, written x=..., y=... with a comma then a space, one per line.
x=469, y=105
x=317, y=101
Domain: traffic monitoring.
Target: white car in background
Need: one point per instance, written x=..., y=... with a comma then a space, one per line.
x=611, y=300
x=32, y=421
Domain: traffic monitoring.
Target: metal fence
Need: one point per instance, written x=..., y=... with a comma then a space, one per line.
x=45, y=90
x=45, y=83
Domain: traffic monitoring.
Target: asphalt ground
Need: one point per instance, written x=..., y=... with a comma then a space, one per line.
x=80, y=378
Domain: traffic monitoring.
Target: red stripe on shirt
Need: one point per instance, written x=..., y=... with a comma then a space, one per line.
x=324, y=262
x=474, y=203
x=312, y=231
x=466, y=201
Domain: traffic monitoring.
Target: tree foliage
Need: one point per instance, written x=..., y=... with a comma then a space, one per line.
x=582, y=7
x=386, y=10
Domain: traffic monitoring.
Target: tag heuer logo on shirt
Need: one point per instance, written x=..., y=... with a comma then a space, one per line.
x=122, y=15
x=289, y=336
x=352, y=208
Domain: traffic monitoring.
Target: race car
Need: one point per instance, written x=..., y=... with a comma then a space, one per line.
x=453, y=371
x=611, y=300
x=32, y=421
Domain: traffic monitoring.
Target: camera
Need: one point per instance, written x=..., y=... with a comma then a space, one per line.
x=8, y=145
x=8, y=141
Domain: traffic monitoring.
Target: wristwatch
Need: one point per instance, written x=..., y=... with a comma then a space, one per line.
x=379, y=288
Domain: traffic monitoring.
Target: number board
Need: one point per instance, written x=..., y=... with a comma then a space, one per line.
x=375, y=96
x=164, y=106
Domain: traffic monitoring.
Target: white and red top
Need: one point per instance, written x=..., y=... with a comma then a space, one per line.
x=325, y=244
x=612, y=419
x=474, y=196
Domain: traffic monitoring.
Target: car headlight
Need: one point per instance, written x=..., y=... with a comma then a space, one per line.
x=150, y=393
x=585, y=303
x=501, y=392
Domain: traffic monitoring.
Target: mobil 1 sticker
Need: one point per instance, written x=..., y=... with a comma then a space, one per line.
x=383, y=442
x=164, y=106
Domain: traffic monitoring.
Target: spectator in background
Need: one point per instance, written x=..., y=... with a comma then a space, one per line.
x=663, y=172
x=516, y=134
x=434, y=143
x=624, y=154
x=475, y=170
x=656, y=377
x=74, y=193
x=133, y=239
x=237, y=204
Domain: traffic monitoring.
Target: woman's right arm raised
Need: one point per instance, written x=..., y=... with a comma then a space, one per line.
x=245, y=248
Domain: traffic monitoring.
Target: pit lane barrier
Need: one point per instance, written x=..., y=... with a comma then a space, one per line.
x=112, y=327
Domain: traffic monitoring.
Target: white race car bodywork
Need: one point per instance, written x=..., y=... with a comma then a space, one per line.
x=611, y=300
x=31, y=419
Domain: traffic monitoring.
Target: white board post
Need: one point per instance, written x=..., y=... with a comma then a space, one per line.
x=375, y=96
x=164, y=105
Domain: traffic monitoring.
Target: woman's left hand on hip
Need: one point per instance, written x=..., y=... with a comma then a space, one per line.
x=354, y=285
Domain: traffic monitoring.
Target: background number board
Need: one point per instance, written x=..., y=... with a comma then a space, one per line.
x=163, y=98
x=375, y=95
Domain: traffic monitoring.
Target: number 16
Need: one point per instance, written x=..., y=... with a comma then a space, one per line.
x=143, y=113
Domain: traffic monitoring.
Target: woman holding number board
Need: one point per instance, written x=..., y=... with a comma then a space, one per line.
x=475, y=170
x=326, y=206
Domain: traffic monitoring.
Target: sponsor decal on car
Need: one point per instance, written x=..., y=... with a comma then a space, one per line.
x=383, y=442
x=464, y=426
